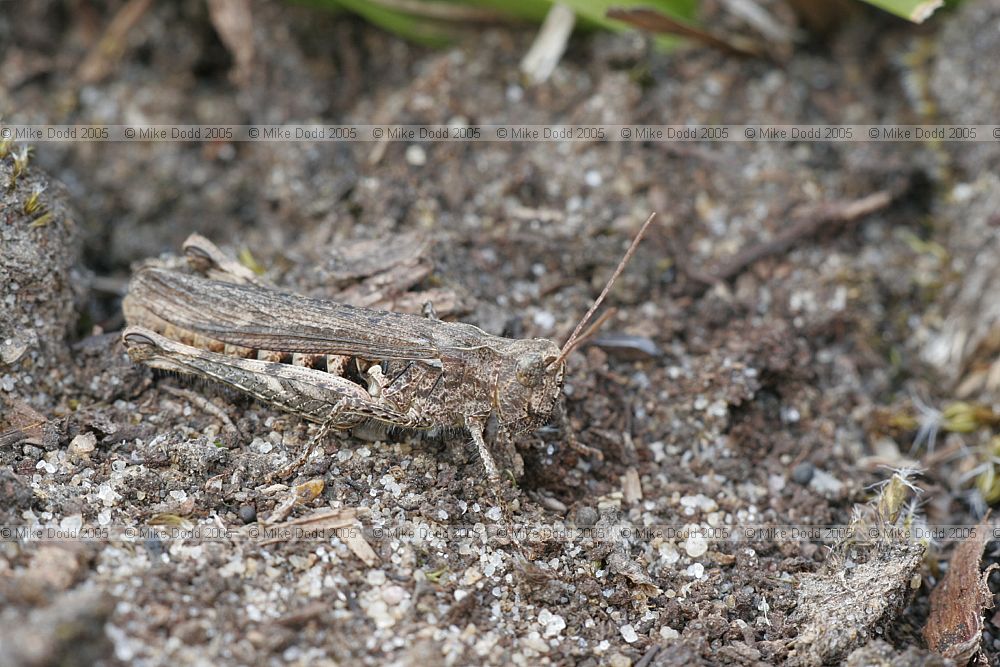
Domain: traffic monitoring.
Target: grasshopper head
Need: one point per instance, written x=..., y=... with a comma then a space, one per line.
x=530, y=381
x=526, y=396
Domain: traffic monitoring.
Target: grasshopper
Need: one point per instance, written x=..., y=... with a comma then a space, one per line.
x=349, y=364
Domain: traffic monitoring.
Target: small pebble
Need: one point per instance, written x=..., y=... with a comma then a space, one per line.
x=803, y=473
x=11, y=350
x=619, y=660
x=629, y=634
x=553, y=624
x=154, y=546
x=553, y=504
x=586, y=516
x=544, y=320
x=107, y=495
x=790, y=415
x=535, y=643
x=248, y=513
x=825, y=484
x=393, y=595
x=696, y=545
x=416, y=155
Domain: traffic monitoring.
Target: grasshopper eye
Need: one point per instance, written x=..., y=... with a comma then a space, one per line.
x=530, y=369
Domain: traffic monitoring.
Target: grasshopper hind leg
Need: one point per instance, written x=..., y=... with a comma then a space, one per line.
x=427, y=310
x=206, y=259
x=300, y=460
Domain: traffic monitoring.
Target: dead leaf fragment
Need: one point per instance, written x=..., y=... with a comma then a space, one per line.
x=19, y=422
x=104, y=55
x=923, y=11
x=620, y=563
x=955, y=625
x=631, y=487
x=319, y=522
x=298, y=495
x=645, y=18
x=309, y=491
x=233, y=21
x=13, y=348
x=357, y=543
x=363, y=258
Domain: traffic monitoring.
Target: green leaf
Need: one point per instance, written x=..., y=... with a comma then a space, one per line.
x=915, y=10
x=440, y=22
x=422, y=31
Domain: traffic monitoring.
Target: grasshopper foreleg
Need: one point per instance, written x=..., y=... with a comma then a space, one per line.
x=476, y=428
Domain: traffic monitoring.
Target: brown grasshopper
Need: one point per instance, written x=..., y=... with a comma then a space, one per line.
x=349, y=364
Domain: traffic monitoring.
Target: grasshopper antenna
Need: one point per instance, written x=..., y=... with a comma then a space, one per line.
x=575, y=338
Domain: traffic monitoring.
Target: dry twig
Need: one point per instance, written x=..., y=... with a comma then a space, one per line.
x=811, y=220
x=109, y=48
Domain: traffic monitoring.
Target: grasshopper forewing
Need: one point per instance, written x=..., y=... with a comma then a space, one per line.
x=349, y=364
